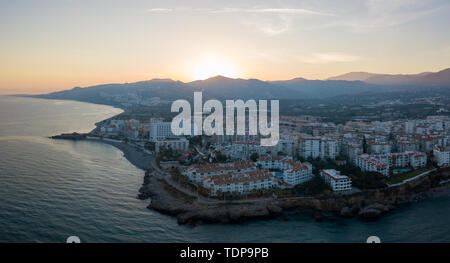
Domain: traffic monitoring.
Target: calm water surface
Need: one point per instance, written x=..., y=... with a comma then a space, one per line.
x=50, y=190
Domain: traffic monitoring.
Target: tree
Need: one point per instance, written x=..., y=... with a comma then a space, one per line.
x=221, y=157
x=254, y=157
x=365, y=146
x=315, y=186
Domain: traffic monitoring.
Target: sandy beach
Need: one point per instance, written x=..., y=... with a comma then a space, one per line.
x=136, y=157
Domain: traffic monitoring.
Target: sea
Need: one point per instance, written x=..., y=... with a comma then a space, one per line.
x=53, y=189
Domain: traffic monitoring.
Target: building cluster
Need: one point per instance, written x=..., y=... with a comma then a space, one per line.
x=408, y=142
x=246, y=176
x=239, y=177
x=156, y=131
x=132, y=129
x=292, y=172
x=372, y=146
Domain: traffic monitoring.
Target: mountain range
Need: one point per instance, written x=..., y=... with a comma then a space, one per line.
x=220, y=87
x=425, y=78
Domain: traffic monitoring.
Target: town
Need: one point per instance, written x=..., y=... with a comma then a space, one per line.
x=312, y=156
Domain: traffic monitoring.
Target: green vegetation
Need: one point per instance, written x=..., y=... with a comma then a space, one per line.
x=398, y=178
x=313, y=187
x=360, y=180
x=220, y=158
x=254, y=157
x=166, y=153
x=196, y=140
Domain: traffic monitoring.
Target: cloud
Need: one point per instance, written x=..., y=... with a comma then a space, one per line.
x=159, y=10
x=329, y=57
x=270, y=21
x=244, y=10
x=269, y=11
x=386, y=13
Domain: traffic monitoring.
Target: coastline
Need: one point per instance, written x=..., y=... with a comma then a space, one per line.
x=137, y=158
x=169, y=200
x=366, y=205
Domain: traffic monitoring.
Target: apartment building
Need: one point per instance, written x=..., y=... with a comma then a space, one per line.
x=293, y=172
x=314, y=147
x=160, y=131
x=180, y=143
x=368, y=163
x=240, y=183
x=336, y=181
x=196, y=173
x=404, y=159
x=442, y=155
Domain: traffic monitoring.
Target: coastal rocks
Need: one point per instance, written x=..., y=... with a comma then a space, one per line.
x=143, y=193
x=346, y=212
x=189, y=209
x=204, y=215
x=228, y=214
x=69, y=136
x=275, y=210
x=143, y=196
x=373, y=211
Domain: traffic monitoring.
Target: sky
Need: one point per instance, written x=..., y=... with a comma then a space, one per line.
x=56, y=45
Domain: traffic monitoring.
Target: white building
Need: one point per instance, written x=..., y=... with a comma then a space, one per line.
x=335, y=180
x=160, y=131
x=410, y=126
x=173, y=143
x=240, y=183
x=309, y=147
x=328, y=148
x=354, y=151
x=368, y=163
x=196, y=173
x=314, y=147
x=294, y=173
x=243, y=150
x=404, y=159
x=379, y=147
x=442, y=155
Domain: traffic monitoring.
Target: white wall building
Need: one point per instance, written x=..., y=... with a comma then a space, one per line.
x=293, y=172
x=309, y=147
x=314, y=147
x=442, y=155
x=240, y=183
x=328, y=148
x=173, y=143
x=196, y=173
x=243, y=150
x=404, y=159
x=379, y=147
x=368, y=163
x=160, y=131
x=335, y=180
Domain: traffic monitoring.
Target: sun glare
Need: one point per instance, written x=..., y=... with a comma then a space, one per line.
x=212, y=67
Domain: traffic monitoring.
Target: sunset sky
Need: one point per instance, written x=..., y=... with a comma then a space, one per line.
x=55, y=45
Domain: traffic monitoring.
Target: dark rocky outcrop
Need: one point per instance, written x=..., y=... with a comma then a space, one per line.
x=369, y=213
x=346, y=212
x=69, y=136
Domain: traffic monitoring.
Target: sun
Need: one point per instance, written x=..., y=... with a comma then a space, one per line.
x=211, y=67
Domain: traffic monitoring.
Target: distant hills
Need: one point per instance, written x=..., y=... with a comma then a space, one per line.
x=165, y=90
x=423, y=79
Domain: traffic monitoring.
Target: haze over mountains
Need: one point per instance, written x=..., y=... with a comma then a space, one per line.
x=425, y=78
x=220, y=87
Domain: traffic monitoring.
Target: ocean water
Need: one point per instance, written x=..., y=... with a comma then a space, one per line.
x=51, y=189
